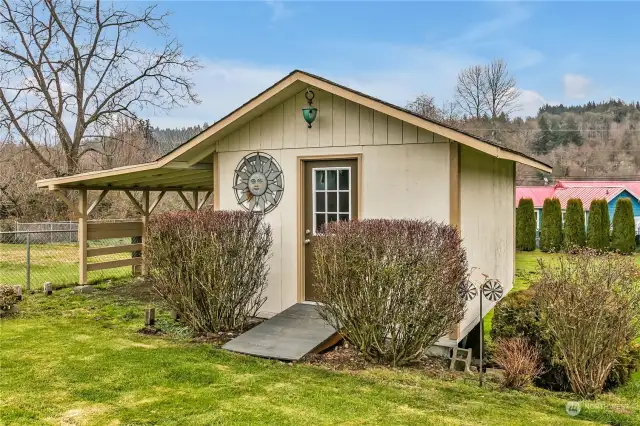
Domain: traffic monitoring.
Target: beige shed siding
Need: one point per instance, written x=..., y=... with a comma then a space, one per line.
x=395, y=180
x=339, y=123
x=487, y=222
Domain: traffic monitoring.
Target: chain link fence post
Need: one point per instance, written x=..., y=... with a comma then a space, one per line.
x=28, y=282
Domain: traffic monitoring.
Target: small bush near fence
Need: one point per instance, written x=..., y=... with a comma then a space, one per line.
x=551, y=227
x=391, y=286
x=623, y=235
x=210, y=266
x=525, y=225
x=8, y=298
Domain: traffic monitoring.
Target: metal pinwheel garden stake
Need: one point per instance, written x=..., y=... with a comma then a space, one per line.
x=493, y=291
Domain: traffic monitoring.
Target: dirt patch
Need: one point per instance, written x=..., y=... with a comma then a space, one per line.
x=222, y=337
x=344, y=357
x=139, y=289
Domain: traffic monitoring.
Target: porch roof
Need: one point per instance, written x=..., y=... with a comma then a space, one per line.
x=189, y=166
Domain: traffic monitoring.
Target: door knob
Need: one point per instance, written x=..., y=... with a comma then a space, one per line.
x=307, y=241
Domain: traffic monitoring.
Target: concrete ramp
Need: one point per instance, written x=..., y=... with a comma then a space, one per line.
x=288, y=336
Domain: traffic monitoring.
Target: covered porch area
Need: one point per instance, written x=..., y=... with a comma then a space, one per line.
x=145, y=185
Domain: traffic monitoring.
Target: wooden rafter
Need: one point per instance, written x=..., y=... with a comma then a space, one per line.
x=157, y=201
x=68, y=202
x=134, y=202
x=97, y=201
x=204, y=200
x=185, y=200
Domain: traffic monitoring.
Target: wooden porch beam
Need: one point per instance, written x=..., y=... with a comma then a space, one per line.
x=195, y=200
x=204, y=200
x=184, y=199
x=157, y=201
x=191, y=165
x=97, y=201
x=82, y=237
x=194, y=161
x=134, y=202
x=68, y=202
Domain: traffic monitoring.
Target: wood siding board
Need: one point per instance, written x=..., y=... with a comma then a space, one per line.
x=255, y=129
x=301, y=126
x=266, y=130
x=352, y=122
x=325, y=118
x=277, y=127
x=394, y=131
x=366, y=126
x=244, y=139
x=379, y=128
x=313, y=134
x=425, y=136
x=339, y=117
x=439, y=138
x=289, y=123
x=409, y=133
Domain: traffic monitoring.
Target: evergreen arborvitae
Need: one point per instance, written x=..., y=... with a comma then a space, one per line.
x=594, y=226
x=574, y=235
x=606, y=225
x=525, y=225
x=551, y=228
x=623, y=236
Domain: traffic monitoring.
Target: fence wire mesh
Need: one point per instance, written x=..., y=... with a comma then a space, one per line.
x=31, y=257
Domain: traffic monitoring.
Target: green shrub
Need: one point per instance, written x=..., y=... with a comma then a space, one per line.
x=596, y=237
x=590, y=304
x=551, y=228
x=517, y=315
x=390, y=286
x=623, y=236
x=606, y=225
x=627, y=364
x=525, y=225
x=574, y=229
x=210, y=266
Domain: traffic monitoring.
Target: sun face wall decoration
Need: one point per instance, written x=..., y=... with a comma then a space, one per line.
x=258, y=183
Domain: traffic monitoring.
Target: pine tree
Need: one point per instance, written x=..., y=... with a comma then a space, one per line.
x=594, y=226
x=551, y=228
x=574, y=234
x=525, y=225
x=606, y=225
x=623, y=236
x=543, y=142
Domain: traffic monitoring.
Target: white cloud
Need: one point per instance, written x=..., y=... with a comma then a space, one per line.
x=530, y=102
x=222, y=87
x=576, y=86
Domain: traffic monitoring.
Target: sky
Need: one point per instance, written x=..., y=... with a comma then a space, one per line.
x=559, y=52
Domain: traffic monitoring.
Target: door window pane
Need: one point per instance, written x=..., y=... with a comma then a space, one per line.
x=332, y=218
x=344, y=217
x=344, y=202
x=343, y=176
x=320, y=183
x=320, y=221
x=332, y=202
x=320, y=202
x=332, y=178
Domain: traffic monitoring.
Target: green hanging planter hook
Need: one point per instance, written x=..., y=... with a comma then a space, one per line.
x=309, y=112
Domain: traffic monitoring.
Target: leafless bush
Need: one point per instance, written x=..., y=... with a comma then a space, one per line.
x=8, y=298
x=591, y=305
x=391, y=286
x=520, y=361
x=210, y=266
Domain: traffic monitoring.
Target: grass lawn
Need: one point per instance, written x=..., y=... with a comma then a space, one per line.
x=77, y=359
x=56, y=263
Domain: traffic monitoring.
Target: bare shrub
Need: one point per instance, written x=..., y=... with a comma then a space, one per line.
x=591, y=306
x=391, y=286
x=520, y=361
x=8, y=298
x=210, y=266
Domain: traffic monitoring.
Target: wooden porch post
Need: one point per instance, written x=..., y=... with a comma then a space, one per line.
x=454, y=202
x=145, y=221
x=82, y=236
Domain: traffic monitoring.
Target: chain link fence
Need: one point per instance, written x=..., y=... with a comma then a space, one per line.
x=48, y=252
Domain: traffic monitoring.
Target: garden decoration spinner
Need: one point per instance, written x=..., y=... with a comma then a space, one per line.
x=492, y=290
x=258, y=183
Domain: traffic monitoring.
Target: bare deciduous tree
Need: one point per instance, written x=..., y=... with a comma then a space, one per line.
x=471, y=91
x=70, y=69
x=425, y=106
x=501, y=94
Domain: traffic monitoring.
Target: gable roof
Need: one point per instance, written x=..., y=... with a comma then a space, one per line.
x=200, y=147
x=586, y=191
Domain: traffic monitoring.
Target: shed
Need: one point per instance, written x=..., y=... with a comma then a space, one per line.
x=360, y=158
